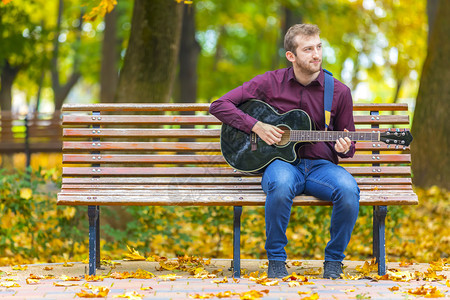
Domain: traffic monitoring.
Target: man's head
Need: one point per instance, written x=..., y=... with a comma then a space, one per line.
x=304, y=48
x=302, y=30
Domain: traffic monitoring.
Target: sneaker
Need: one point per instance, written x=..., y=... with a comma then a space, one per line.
x=277, y=269
x=332, y=269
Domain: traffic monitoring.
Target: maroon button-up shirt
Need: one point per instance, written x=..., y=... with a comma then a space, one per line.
x=281, y=90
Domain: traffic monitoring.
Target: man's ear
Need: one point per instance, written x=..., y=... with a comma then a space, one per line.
x=290, y=56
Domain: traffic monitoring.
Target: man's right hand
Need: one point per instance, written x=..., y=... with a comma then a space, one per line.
x=268, y=133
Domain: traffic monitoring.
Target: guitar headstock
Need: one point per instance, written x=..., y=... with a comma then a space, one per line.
x=395, y=137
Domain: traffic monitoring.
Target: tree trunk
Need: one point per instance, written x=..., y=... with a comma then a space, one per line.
x=432, y=6
x=7, y=76
x=188, y=58
x=150, y=62
x=430, y=155
x=61, y=92
x=109, y=74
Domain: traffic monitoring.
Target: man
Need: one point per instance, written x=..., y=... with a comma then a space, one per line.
x=316, y=172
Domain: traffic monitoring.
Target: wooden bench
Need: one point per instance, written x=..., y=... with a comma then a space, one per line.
x=169, y=155
x=30, y=134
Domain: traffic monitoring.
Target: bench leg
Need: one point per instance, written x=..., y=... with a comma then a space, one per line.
x=97, y=235
x=379, y=240
x=237, y=242
x=93, y=241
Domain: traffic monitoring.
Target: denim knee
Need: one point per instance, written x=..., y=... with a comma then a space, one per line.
x=347, y=197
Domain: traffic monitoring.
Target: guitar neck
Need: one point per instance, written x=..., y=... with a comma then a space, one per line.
x=331, y=136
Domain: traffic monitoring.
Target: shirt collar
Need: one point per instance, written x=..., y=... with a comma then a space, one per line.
x=320, y=79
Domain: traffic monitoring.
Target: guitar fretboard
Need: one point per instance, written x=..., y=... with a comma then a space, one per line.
x=331, y=136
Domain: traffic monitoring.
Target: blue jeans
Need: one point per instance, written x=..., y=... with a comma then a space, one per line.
x=283, y=181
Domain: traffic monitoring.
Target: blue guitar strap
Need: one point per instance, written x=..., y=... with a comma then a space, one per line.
x=328, y=96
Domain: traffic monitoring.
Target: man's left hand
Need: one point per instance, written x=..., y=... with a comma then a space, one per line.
x=343, y=144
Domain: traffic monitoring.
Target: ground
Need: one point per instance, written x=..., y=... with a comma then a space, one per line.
x=67, y=281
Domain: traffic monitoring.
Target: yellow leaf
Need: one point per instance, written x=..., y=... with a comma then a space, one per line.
x=20, y=268
x=101, y=293
x=146, y=288
x=224, y=280
x=67, y=265
x=65, y=284
x=133, y=255
x=67, y=278
x=171, y=277
x=314, y=296
x=32, y=281
x=26, y=193
x=394, y=288
x=426, y=291
x=169, y=265
x=47, y=268
x=9, y=284
x=93, y=278
x=303, y=293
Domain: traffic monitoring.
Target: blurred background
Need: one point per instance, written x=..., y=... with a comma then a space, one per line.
x=67, y=51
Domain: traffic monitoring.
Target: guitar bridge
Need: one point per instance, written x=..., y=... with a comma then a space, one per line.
x=253, y=139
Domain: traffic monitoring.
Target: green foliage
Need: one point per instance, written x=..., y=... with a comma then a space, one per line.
x=34, y=229
x=32, y=226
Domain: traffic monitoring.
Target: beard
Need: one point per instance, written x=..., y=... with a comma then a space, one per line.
x=307, y=67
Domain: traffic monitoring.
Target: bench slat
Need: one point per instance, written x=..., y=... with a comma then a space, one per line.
x=121, y=107
x=223, y=198
x=141, y=132
x=209, y=159
x=203, y=120
x=213, y=171
x=184, y=146
x=148, y=188
x=211, y=180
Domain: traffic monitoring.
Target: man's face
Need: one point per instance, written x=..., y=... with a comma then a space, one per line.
x=308, y=54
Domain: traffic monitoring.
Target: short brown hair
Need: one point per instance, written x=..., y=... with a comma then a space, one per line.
x=290, y=43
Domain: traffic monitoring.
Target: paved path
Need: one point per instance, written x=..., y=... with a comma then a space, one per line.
x=184, y=286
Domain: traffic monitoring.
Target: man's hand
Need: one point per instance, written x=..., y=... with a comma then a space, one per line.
x=343, y=144
x=268, y=133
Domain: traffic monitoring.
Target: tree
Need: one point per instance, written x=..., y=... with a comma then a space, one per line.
x=150, y=61
x=430, y=148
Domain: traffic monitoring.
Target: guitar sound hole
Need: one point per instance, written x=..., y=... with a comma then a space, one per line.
x=285, y=138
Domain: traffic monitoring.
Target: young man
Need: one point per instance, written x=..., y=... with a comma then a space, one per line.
x=316, y=172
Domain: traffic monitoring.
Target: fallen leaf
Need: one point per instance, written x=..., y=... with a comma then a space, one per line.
x=171, y=277
x=68, y=278
x=47, y=268
x=133, y=255
x=426, y=291
x=20, y=268
x=100, y=292
x=394, y=288
x=32, y=281
x=314, y=296
x=9, y=284
x=93, y=278
x=67, y=265
x=65, y=284
x=224, y=280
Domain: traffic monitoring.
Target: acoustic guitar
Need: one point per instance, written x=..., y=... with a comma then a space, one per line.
x=250, y=154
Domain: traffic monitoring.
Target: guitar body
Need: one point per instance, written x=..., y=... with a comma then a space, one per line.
x=237, y=147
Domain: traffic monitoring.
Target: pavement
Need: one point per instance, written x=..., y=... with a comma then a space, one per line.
x=194, y=279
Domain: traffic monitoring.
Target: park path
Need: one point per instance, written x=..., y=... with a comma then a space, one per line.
x=68, y=282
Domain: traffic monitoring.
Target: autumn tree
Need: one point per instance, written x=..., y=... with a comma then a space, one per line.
x=151, y=57
x=430, y=148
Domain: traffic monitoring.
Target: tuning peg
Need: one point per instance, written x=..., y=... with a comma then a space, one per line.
x=404, y=147
x=396, y=147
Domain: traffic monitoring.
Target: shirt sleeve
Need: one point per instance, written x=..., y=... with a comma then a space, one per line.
x=225, y=108
x=344, y=119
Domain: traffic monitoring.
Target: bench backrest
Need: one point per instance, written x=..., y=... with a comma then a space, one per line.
x=133, y=146
x=35, y=133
